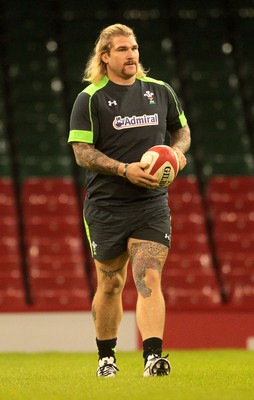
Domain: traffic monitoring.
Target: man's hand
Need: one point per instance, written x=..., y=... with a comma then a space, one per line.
x=181, y=157
x=136, y=174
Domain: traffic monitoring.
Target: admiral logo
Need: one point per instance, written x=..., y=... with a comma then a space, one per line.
x=135, y=121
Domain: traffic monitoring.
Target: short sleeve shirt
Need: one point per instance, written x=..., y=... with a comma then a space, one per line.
x=123, y=122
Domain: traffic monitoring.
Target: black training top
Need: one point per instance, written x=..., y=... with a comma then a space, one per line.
x=123, y=122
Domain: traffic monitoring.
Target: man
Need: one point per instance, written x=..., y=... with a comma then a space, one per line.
x=114, y=121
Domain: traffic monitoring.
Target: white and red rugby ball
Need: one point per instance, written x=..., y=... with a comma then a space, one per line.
x=164, y=164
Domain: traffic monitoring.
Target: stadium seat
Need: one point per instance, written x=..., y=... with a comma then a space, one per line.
x=233, y=222
x=9, y=246
x=12, y=290
x=7, y=198
x=10, y=270
x=183, y=185
x=41, y=166
x=50, y=197
x=240, y=261
x=46, y=265
x=61, y=300
x=50, y=227
x=230, y=184
x=192, y=223
x=5, y=165
x=188, y=243
x=222, y=164
x=185, y=203
x=9, y=225
x=190, y=278
x=55, y=254
x=129, y=299
x=11, y=282
x=38, y=247
x=50, y=186
x=180, y=299
x=58, y=281
x=189, y=262
x=12, y=300
x=230, y=203
x=235, y=242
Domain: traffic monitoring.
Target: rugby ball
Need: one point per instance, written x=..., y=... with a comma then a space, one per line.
x=163, y=163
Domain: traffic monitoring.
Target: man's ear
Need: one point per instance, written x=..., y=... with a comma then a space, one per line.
x=104, y=58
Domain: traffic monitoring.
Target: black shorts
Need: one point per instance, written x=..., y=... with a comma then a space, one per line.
x=109, y=231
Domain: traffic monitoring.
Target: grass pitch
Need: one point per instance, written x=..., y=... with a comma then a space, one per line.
x=196, y=375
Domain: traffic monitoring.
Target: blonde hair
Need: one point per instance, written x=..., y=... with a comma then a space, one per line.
x=95, y=67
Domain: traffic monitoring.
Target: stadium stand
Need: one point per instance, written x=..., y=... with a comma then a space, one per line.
x=231, y=204
x=54, y=246
x=189, y=276
x=12, y=290
x=205, y=51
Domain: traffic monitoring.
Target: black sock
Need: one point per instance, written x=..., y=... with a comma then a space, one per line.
x=106, y=348
x=152, y=345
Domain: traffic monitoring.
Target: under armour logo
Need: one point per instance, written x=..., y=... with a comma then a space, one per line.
x=167, y=236
x=111, y=103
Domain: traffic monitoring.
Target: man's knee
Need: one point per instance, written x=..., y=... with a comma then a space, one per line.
x=111, y=286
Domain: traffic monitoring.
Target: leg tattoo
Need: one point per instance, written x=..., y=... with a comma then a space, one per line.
x=145, y=255
x=111, y=274
x=93, y=312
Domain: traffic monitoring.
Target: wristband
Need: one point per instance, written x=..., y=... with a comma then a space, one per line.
x=124, y=170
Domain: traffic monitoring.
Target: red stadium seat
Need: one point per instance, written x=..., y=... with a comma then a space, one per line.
x=9, y=245
x=64, y=186
x=231, y=262
x=48, y=197
x=185, y=203
x=192, y=299
x=190, y=279
x=231, y=203
x=230, y=184
x=9, y=226
x=50, y=227
x=61, y=300
x=189, y=243
x=240, y=291
x=45, y=265
x=65, y=247
x=58, y=281
x=7, y=198
x=53, y=205
x=189, y=262
x=12, y=300
x=11, y=282
x=234, y=243
x=10, y=270
x=183, y=185
x=232, y=222
x=129, y=298
x=188, y=223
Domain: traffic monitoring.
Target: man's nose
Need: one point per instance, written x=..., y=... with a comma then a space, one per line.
x=130, y=53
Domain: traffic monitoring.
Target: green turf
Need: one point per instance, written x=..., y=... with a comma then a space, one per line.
x=220, y=375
